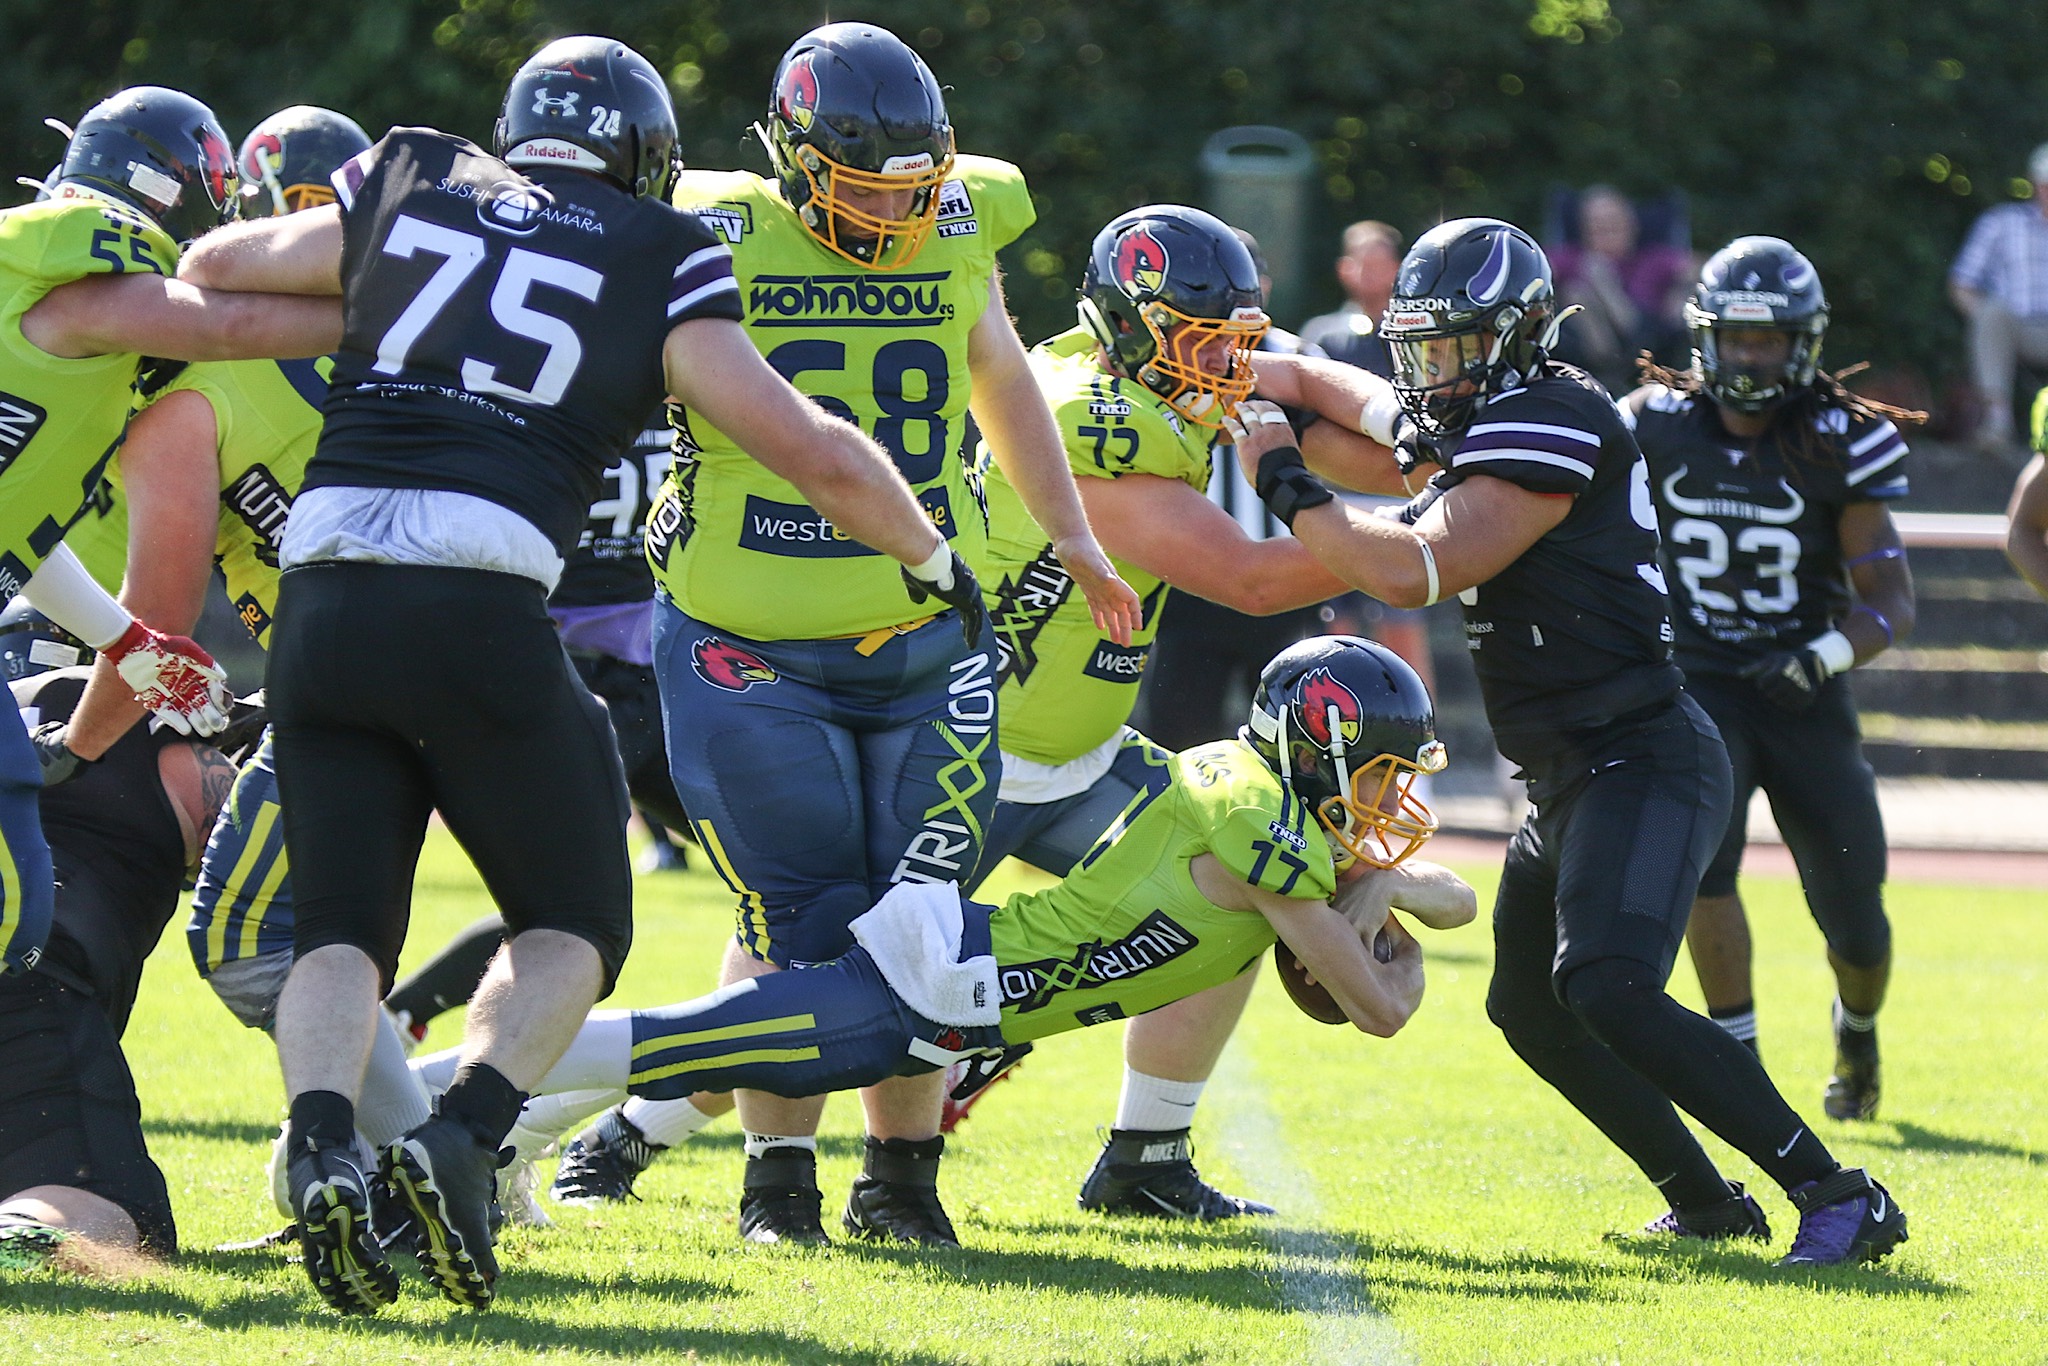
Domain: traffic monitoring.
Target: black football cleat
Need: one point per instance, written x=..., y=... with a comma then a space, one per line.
x=896, y=1196
x=779, y=1201
x=331, y=1198
x=1845, y=1217
x=1739, y=1216
x=603, y=1162
x=1152, y=1172
x=449, y=1183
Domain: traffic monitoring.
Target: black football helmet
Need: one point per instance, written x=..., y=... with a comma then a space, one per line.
x=1762, y=283
x=161, y=151
x=1349, y=728
x=1162, y=284
x=1473, y=313
x=853, y=108
x=592, y=104
x=30, y=643
x=287, y=159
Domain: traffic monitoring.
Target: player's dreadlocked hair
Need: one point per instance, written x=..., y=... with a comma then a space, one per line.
x=1807, y=442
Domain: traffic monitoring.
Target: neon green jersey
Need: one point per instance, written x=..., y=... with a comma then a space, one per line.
x=1066, y=689
x=737, y=547
x=60, y=419
x=266, y=417
x=1126, y=931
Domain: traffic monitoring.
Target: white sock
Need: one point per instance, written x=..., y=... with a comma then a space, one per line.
x=436, y=1071
x=1154, y=1103
x=599, y=1058
x=1846, y=1018
x=665, y=1122
x=761, y=1143
x=1742, y=1026
x=392, y=1101
x=544, y=1119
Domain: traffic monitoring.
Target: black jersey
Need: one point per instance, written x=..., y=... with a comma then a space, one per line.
x=1576, y=631
x=1752, y=545
x=113, y=825
x=502, y=332
x=610, y=563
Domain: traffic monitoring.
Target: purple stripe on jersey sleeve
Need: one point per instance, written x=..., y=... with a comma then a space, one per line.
x=1574, y=448
x=1880, y=450
x=348, y=178
x=704, y=275
x=1886, y=489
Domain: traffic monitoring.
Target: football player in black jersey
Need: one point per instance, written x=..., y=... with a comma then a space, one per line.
x=1539, y=518
x=1773, y=484
x=123, y=832
x=511, y=320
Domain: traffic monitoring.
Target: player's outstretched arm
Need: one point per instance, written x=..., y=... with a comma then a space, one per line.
x=712, y=368
x=1430, y=892
x=298, y=253
x=105, y=315
x=2026, y=533
x=1010, y=409
x=170, y=475
x=1353, y=445
x=1169, y=530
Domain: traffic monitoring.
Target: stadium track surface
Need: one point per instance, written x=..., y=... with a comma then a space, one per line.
x=1979, y=867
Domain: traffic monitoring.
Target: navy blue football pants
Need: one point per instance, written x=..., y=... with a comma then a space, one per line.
x=818, y=772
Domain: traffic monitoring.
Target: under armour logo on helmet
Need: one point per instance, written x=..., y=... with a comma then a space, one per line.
x=563, y=105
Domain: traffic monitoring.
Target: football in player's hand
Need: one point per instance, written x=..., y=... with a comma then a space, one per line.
x=1313, y=998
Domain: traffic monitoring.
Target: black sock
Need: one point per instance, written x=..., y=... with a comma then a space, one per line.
x=450, y=977
x=1634, y=1116
x=1698, y=1066
x=327, y=1118
x=483, y=1102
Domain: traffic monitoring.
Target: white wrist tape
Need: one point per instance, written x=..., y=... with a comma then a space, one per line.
x=1429, y=573
x=1834, y=651
x=937, y=567
x=62, y=591
x=1377, y=418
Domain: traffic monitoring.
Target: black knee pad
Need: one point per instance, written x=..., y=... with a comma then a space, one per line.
x=1611, y=996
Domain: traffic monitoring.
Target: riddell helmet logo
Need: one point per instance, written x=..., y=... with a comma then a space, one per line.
x=725, y=665
x=1318, y=694
x=800, y=93
x=1140, y=262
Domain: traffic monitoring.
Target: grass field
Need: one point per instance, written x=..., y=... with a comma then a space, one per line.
x=1438, y=1204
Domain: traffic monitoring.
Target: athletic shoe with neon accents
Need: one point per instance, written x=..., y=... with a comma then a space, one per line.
x=330, y=1199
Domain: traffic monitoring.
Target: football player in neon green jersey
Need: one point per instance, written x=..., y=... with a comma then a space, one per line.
x=868, y=276
x=84, y=293
x=1246, y=843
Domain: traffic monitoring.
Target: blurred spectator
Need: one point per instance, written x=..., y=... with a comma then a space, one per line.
x=1366, y=270
x=1631, y=290
x=2000, y=285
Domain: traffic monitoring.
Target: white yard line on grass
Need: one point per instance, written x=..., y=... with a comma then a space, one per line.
x=1318, y=1271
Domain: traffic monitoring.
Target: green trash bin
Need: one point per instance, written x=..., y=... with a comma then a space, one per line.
x=1258, y=180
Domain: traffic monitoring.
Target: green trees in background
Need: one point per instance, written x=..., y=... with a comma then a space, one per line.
x=1870, y=132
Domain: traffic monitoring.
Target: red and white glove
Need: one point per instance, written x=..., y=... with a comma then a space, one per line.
x=174, y=678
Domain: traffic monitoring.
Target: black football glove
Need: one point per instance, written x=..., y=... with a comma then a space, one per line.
x=53, y=750
x=958, y=589
x=1412, y=448
x=1789, y=678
